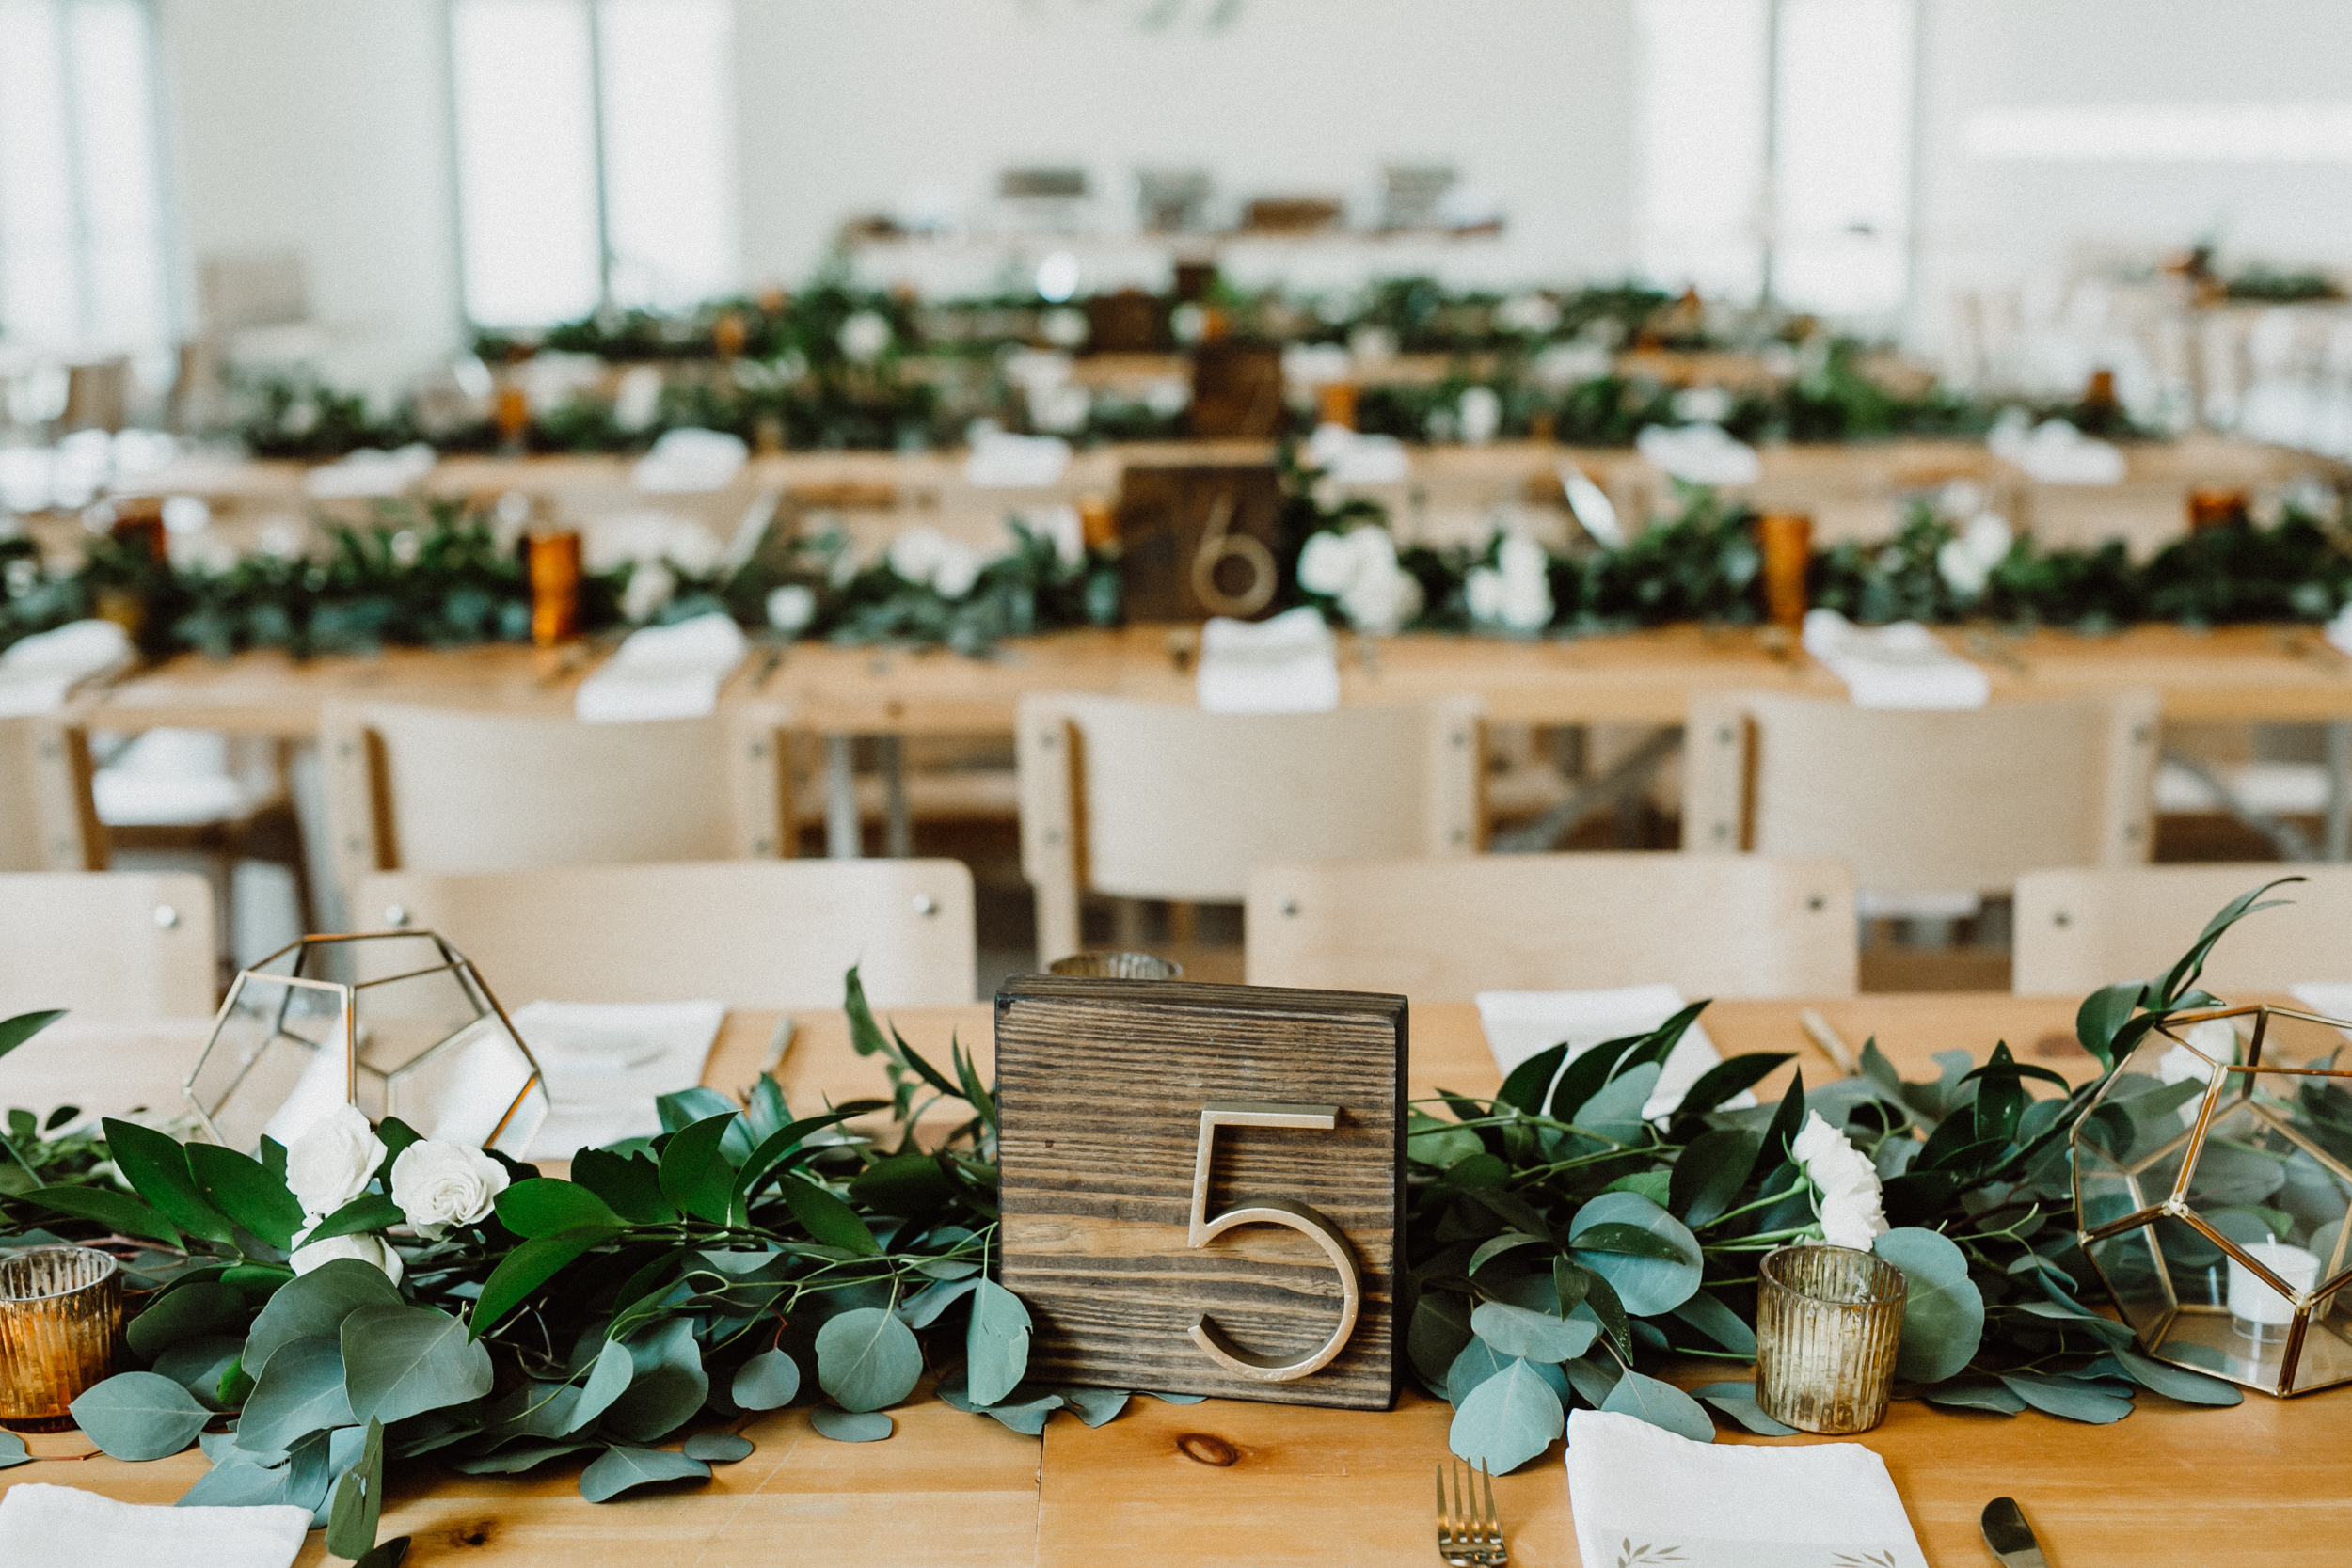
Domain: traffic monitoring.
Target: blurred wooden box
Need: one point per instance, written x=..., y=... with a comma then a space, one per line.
x=1172, y=516
x=1236, y=390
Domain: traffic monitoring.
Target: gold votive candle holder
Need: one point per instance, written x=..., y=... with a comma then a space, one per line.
x=552, y=562
x=60, y=1324
x=1117, y=966
x=1785, y=539
x=1828, y=1320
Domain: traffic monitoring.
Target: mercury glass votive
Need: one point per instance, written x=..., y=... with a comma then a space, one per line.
x=1117, y=966
x=1828, y=1320
x=60, y=1323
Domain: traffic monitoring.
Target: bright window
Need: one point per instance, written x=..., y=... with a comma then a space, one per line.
x=83, y=257
x=595, y=157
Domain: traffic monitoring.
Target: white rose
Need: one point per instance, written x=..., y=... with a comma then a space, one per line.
x=1515, y=592
x=1702, y=404
x=864, y=337
x=437, y=1184
x=1532, y=313
x=791, y=608
x=1480, y=415
x=333, y=1160
x=959, y=568
x=1850, y=1207
x=1380, y=595
x=368, y=1249
x=1966, y=562
x=915, y=555
x=1328, y=565
x=651, y=585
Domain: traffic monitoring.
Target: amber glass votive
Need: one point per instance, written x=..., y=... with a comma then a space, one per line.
x=552, y=560
x=1828, y=1320
x=1786, y=540
x=1338, y=404
x=61, y=1321
x=2216, y=508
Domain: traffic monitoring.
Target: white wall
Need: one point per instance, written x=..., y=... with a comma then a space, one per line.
x=319, y=125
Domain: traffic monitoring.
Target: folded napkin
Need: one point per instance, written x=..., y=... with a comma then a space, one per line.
x=1902, y=666
x=687, y=461
x=38, y=673
x=1519, y=1023
x=2054, y=452
x=371, y=473
x=664, y=673
x=2339, y=631
x=1699, y=454
x=604, y=1062
x=1352, y=458
x=1643, y=1494
x=1289, y=664
x=63, y=1527
x=1002, y=462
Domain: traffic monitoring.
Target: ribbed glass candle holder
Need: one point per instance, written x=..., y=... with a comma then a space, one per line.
x=60, y=1322
x=1827, y=1322
x=1117, y=966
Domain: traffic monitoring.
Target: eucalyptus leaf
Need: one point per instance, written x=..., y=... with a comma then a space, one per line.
x=1737, y=1401
x=1534, y=1336
x=1508, y=1419
x=867, y=1358
x=922, y=1309
x=519, y=1457
x=242, y=1480
x=400, y=1361
x=300, y=1393
x=1943, y=1309
x=668, y=1384
x=1441, y=1327
x=1719, y=1322
x=721, y=1447
x=13, y=1451
x=140, y=1415
x=2056, y=1396
x=315, y=1303
x=1975, y=1394
x=195, y=1311
x=996, y=1346
x=624, y=1465
x=608, y=1379
x=850, y=1426
x=2178, y=1382
x=1615, y=1112
x=1661, y=1404
x=1647, y=1285
x=358, y=1500
x=768, y=1380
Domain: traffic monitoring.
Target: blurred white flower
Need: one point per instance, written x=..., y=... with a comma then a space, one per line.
x=864, y=337
x=651, y=585
x=1967, y=562
x=1703, y=404
x=1530, y=313
x=791, y=608
x=959, y=569
x=1327, y=565
x=638, y=399
x=438, y=1183
x=1846, y=1182
x=368, y=1249
x=1481, y=413
x=1515, y=592
x=1360, y=571
x=1065, y=328
x=331, y=1162
x=1571, y=363
x=1699, y=454
x=916, y=553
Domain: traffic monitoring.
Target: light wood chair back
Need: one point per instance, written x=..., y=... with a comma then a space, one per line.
x=1443, y=931
x=118, y=945
x=47, y=822
x=1921, y=802
x=435, y=789
x=748, y=934
x=1153, y=801
x=2079, y=929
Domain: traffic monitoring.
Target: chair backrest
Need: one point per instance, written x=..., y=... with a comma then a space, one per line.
x=47, y=822
x=1155, y=801
x=748, y=934
x=1443, y=931
x=434, y=789
x=118, y=945
x=2077, y=930
x=1920, y=802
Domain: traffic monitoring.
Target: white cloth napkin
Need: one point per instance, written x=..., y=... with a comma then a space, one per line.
x=1519, y=1023
x=1699, y=454
x=1288, y=664
x=1902, y=666
x=1003, y=461
x=44, y=1526
x=39, y=673
x=371, y=472
x=664, y=673
x=687, y=461
x=2054, y=452
x=604, y=1062
x=1729, y=1505
x=1350, y=457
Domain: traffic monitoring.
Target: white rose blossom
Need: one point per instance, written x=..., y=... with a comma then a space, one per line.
x=651, y=585
x=1360, y=569
x=368, y=1249
x=791, y=608
x=439, y=1184
x=864, y=337
x=1967, y=562
x=1847, y=1182
x=1515, y=592
x=333, y=1161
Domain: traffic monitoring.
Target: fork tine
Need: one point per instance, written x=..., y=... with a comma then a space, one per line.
x=1493, y=1518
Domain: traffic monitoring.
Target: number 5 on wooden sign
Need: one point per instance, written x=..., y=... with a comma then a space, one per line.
x=1144, y=1123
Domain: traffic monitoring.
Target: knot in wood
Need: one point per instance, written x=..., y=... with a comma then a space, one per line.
x=1207, y=1449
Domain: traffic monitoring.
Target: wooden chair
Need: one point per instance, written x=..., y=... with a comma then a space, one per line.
x=2079, y=929
x=1443, y=931
x=430, y=789
x=47, y=822
x=122, y=946
x=1921, y=802
x=749, y=934
x=1152, y=800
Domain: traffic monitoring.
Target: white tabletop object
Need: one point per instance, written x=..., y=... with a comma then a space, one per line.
x=1900, y=666
x=671, y=672
x=606, y=1062
x=1519, y=1023
x=39, y=673
x=63, y=1526
x=1287, y=664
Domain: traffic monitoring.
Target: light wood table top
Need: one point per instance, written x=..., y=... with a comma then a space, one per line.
x=2232, y=675
x=2262, y=1482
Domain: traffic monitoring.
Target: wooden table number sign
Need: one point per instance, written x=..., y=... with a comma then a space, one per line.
x=1203, y=1185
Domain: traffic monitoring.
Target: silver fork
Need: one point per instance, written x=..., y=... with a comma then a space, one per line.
x=1469, y=1531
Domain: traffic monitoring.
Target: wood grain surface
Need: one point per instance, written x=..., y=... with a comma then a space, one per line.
x=2172, y=1486
x=1102, y=1085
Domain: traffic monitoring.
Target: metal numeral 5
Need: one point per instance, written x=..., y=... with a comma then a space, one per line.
x=1310, y=1222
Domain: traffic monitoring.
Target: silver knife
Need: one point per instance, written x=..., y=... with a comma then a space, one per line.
x=2008, y=1535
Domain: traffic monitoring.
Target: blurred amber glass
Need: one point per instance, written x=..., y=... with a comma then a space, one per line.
x=1786, y=540
x=1828, y=1320
x=60, y=1322
x=553, y=562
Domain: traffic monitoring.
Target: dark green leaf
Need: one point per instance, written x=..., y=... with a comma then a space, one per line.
x=24, y=1026
x=2101, y=1017
x=366, y=1213
x=1441, y=1327
x=391, y=1554
x=630, y=1184
x=902, y=1184
x=1494, y=1247
x=1727, y=1080
x=198, y=1307
x=623, y=1467
x=682, y=1108
x=1785, y=1124
x=775, y=1148
x=156, y=1165
x=116, y=1211
x=1632, y=1239
x=1526, y=1086
x=140, y=1415
x=247, y=1193
x=527, y=1268
x=695, y=1175
x=1710, y=1173
x=828, y=1219
x=544, y=1206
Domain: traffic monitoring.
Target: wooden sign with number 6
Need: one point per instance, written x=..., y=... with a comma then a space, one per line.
x=1203, y=1185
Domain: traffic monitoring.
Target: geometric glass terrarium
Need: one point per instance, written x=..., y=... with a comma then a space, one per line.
x=2213, y=1184
x=397, y=1024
